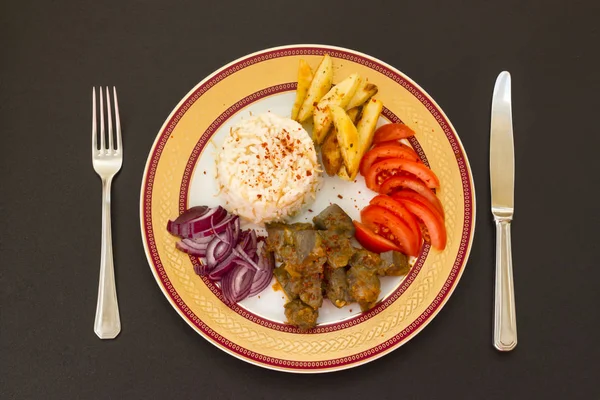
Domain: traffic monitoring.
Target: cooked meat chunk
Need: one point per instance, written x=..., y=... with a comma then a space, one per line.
x=367, y=259
x=294, y=287
x=320, y=261
x=301, y=315
x=297, y=245
x=291, y=285
x=337, y=286
x=282, y=276
x=308, y=246
x=306, y=287
x=297, y=264
x=338, y=248
x=282, y=234
x=333, y=218
x=311, y=291
x=364, y=286
x=393, y=263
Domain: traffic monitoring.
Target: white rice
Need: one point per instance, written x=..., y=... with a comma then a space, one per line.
x=267, y=168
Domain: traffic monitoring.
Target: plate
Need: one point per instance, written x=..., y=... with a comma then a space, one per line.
x=180, y=173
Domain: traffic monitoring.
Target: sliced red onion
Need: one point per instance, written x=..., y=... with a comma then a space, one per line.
x=217, y=228
x=222, y=251
x=223, y=267
x=190, y=247
x=262, y=279
x=201, y=268
x=244, y=263
x=242, y=254
x=189, y=215
x=236, y=231
x=238, y=258
x=237, y=283
x=244, y=238
x=210, y=253
x=218, y=249
x=223, y=236
x=202, y=240
x=196, y=221
x=245, y=242
x=253, y=255
x=249, y=245
x=264, y=275
x=252, y=244
x=230, y=233
x=221, y=245
x=267, y=259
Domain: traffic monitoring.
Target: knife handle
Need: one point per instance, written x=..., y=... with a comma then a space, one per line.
x=505, y=321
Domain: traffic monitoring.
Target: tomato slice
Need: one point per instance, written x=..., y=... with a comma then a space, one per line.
x=388, y=225
x=399, y=210
x=411, y=195
x=432, y=220
x=372, y=241
x=410, y=182
x=398, y=144
x=388, y=143
x=395, y=143
x=392, y=132
x=382, y=170
x=382, y=152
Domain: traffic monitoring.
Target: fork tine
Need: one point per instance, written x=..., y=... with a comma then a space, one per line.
x=109, y=116
x=102, y=148
x=94, y=128
x=117, y=121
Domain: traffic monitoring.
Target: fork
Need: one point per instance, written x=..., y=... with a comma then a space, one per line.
x=107, y=161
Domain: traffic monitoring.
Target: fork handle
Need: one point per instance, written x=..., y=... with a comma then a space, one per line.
x=107, y=324
x=505, y=322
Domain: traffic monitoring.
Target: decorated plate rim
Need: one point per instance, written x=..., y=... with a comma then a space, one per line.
x=315, y=368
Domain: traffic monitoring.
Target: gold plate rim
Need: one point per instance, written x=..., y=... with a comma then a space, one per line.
x=314, y=367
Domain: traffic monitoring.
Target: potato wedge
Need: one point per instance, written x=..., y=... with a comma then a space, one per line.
x=347, y=136
x=363, y=93
x=305, y=77
x=339, y=95
x=366, y=129
x=354, y=113
x=319, y=86
x=330, y=154
x=342, y=173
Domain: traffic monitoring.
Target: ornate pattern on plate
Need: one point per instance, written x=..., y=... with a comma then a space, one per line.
x=220, y=324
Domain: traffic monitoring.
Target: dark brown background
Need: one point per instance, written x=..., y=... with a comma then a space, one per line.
x=154, y=52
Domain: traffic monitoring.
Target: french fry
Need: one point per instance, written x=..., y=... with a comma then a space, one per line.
x=305, y=77
x=342, y=173
x=347, y=136
x=363, y=93
x=354, y=113
x=339, y=95
x=319, y=86
x=366, y=129
x=330, y=154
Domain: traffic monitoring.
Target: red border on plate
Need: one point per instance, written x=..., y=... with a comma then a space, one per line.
x=290, y=364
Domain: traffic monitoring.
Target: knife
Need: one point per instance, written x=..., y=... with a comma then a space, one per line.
x=502, y=182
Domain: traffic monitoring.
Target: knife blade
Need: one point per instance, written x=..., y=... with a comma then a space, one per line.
x=502, y=155
x=502, y=183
